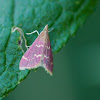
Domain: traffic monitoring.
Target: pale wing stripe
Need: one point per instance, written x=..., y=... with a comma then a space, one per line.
x=43, y=46
x=39, y=45
x=37, y=55
x=25, y=58
x=40, y=56
x=46, y=56
x=47, y=47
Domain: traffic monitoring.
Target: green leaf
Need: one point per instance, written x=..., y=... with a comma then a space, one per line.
x=64, y=16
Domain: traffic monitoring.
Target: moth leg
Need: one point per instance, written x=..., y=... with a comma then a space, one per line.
x=33, y=32
x=21, y=34
x=28, y=46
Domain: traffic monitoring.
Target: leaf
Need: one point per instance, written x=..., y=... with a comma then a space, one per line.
x=64, y=16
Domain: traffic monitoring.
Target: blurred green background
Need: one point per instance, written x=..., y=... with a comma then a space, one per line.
x=76, y=69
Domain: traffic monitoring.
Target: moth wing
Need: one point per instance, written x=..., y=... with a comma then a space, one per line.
x=32, y=57
x=48, y=58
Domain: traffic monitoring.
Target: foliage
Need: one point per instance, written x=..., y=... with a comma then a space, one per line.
x=64, y=16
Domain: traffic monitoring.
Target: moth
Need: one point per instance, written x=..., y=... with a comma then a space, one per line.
x=39, y=54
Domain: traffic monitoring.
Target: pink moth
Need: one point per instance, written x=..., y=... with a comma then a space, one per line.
x=39, y=53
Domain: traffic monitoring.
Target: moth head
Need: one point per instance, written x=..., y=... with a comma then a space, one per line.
x=46, y=28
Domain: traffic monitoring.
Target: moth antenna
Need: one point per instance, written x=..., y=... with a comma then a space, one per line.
x=33, y=32
x=51, y=29
x=21, y=33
